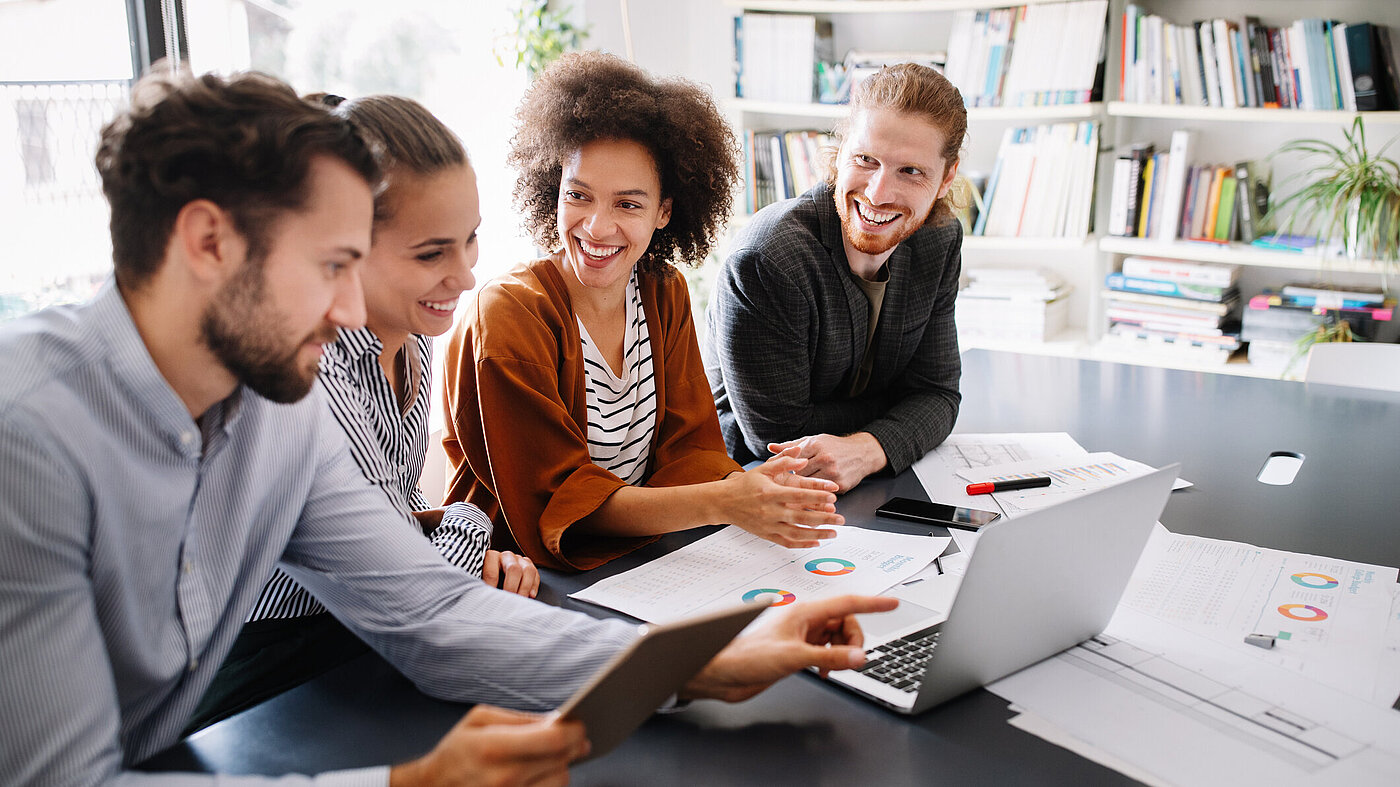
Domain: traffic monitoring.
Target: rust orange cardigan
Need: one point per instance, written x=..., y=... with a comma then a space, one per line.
x=516, y=433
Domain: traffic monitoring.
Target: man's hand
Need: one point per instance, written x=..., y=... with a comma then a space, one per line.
x=511, y=572
x=822, y=634
x=844, y=460
x=492, y=746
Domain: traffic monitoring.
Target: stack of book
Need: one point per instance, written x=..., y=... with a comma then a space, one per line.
x=781, y=164
x=1185, y=310
x=1310, y=64
x=1276, y=321
x=1042, y=184
x=776, y=55
x=1029, y=55
x=1011, y=304
x=1165, y=196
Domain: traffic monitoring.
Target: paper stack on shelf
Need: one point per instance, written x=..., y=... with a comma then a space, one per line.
x=1185, y=310
x=999, y=57
x=1042, y=184
x=1311, y=64
x=1011, y=304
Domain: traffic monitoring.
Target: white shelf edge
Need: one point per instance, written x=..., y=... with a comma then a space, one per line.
x=871, y=6
x=799, y=110
x=1247, y=114
x=981, y=242
x=1237, y=254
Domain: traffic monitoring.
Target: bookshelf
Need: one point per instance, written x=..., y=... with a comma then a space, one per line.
x=1221, y=135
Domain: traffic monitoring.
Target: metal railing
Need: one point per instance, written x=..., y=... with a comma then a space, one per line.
x=55, y=130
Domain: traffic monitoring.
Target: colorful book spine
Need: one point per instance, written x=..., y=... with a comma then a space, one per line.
x=1175, y=289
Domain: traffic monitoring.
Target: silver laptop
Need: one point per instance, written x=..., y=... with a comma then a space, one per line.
x=1035, y=585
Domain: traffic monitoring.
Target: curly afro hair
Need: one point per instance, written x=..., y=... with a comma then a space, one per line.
x=588, y=96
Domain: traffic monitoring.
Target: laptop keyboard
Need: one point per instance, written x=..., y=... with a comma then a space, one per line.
x=901, y=662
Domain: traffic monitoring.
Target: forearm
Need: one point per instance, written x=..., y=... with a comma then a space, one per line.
x=914, y=426
x=649, y=511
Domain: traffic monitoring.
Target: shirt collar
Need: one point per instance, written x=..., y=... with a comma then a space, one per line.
x=134, y=370
x=355, y=343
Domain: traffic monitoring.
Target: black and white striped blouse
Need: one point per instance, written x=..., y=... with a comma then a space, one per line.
x=622, y=409
x=388, y=445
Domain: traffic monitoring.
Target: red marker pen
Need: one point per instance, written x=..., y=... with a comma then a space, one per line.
x=988, y=487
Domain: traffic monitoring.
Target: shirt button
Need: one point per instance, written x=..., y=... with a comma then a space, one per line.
x=194, y=663
x=186, y=438
x=189, y=567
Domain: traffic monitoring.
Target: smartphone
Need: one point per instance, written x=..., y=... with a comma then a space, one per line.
x=936, y=513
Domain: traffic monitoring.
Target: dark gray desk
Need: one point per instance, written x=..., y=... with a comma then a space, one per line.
x=803, y=731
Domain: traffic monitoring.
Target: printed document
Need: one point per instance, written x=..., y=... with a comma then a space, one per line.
x=734, y=565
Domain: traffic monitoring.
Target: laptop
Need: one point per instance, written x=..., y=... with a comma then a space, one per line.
x=1034, y=586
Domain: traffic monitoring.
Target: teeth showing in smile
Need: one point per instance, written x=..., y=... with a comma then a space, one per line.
x=597, y=252
x=874, y=216
x=442, y=306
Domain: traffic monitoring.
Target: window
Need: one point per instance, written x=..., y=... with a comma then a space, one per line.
x=66, y=67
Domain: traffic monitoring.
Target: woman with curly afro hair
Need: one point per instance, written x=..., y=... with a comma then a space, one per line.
x=579, y=415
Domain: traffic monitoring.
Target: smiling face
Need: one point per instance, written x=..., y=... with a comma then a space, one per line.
x=423, y=254
x=610, y=203
x=270, y=320
x=889, y=174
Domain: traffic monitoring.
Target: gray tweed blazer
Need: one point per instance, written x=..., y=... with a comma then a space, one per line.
x=787, y=328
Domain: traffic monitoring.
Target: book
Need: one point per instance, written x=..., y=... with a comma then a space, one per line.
x=1213, y=205
x=1171, y=302
x=1224, y=223
x=1200, y=208
x=1257, y=185
x=1118, y=203
x=1322, y=292
x=1213, y=274
x=1372, y=84
x=1148, y=172
x=1140, y=155
x=1174, y=186
x=1381, y=310
x=1176, y=289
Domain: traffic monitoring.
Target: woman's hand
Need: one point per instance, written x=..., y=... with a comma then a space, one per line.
x=511, y=572
x=774, y=501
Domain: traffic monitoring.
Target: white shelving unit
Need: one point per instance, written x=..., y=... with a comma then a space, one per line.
x=1223, y=134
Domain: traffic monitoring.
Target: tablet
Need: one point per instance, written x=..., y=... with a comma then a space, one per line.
x=634, y=684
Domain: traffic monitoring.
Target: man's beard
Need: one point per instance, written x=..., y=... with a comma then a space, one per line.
x=868, y=243
x=250, y=340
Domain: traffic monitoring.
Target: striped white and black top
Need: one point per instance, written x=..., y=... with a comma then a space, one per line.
x=388, y=444
x=622, y=409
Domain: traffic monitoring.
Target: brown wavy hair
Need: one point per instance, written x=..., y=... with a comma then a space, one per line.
x=402, y=135
x=244, y=143
x=589, y=96
x=911, y=89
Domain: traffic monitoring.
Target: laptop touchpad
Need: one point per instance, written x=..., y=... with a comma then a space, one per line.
x=908, y=617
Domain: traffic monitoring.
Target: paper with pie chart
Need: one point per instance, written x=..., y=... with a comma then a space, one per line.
x=733, y=566
x=1333, y=620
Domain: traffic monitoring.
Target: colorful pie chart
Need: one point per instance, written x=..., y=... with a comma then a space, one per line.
x=830, y=566
x=784, y=597
x=1314, y=581
x=1309, y=613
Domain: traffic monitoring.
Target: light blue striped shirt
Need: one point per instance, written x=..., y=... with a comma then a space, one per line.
x=134, y=542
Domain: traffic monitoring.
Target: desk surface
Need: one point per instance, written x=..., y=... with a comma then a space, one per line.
x=1221, y=428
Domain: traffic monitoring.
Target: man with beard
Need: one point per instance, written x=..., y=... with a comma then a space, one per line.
x=162, y=454
x=831, y=324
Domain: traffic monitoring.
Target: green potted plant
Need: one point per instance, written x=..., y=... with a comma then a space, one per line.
x=1350, y=194
x=540, y=36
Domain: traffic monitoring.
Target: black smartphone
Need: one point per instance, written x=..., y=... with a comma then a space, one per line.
x=936, y=513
